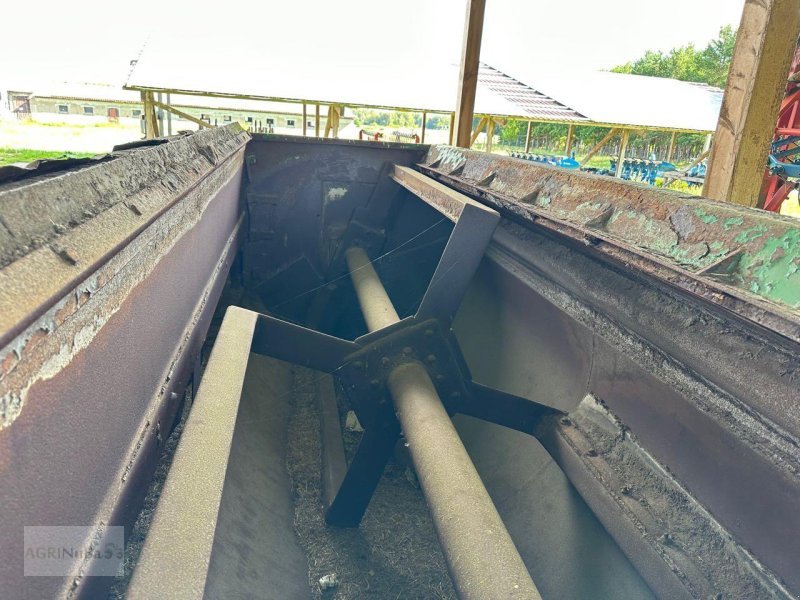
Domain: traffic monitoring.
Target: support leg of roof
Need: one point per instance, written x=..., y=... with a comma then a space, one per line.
x=332, y=124
x=477, y=132
x=623, y=145
x=489, y=133
x=328, y=121
x=671, y=149
x=316, y=121
x=169, y=114
x=452, y=128
x=528, y=137
x=160, y=113
x=305, y=120
x=150, y=119
x=570, y=134
x=424, y=118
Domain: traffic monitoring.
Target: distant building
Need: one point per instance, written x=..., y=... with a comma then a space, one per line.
x=87, y=103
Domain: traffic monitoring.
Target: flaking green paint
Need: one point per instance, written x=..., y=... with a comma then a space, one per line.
x=767, y=265
x=773, y=271
x=705, y=217
x=732, y=222
x=657, y=236
x=750, y=234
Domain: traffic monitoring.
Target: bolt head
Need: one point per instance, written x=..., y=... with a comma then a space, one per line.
x=408, y=350
x=376, y=383
x=431, y=358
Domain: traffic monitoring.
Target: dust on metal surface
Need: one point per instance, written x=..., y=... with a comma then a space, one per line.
x=159, y=237
x=723, y=244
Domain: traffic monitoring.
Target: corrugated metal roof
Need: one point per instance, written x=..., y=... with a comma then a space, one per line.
x=634, y=100
x=525, y=100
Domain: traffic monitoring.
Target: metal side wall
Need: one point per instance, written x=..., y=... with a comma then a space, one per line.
x=110, y=314
x=683, y=393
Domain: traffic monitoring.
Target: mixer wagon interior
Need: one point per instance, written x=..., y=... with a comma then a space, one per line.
x=344, y=369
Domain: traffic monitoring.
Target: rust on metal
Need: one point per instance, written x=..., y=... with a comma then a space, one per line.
x=74, y=379
x=670, y=235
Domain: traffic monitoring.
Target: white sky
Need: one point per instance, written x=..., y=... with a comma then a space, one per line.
x=94, y=40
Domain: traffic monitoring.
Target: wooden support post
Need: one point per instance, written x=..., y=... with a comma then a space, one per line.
x=468, y=73
x=707, y=143
x=424, y=117
x=145, y=103
x=599, y=145
x=332, y=124
x=316, y=121
x=489, y=133
x=150, y=119
x=623, y=145
x=671, y=149
x=756, y=85
x=477, y=132
x=169, y=115
x=328, y=123
x=452, y=128
x=570, y=135
x=528, y=137
x=305, y=120
x=159, y=113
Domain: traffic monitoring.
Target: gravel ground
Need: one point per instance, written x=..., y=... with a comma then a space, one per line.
x=393, y=554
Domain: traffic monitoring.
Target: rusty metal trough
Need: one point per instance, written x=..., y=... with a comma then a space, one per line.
x=613, y=369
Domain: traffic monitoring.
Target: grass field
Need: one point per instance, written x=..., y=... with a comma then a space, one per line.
x=53, y=139
x=26, y=155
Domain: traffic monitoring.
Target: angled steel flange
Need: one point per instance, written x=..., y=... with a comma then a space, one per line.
x=297, y=344
x=474, y=226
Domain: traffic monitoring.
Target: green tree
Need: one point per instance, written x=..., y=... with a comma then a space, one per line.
x=715, y=60
x=402, y=119
x=709, y=65
x=511, y=131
